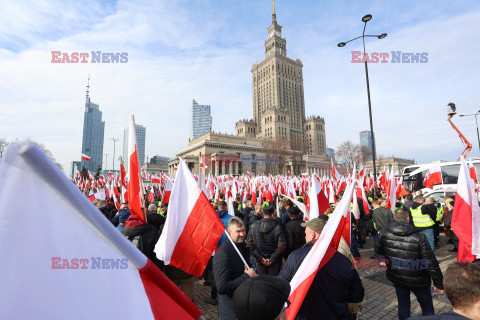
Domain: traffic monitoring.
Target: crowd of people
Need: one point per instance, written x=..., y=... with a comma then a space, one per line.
x=249, y=273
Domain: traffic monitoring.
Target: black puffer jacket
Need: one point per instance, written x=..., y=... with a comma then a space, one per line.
x=266, y=239
x=411, y=262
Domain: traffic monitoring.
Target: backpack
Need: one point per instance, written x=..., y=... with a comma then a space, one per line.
x=137, y=241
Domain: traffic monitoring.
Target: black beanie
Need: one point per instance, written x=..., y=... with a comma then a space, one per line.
x=293, y=211
x=261, y=298
x=268, y=210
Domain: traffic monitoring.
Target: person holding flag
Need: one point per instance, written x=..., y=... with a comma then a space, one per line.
x=230, y=269
x=335, y=285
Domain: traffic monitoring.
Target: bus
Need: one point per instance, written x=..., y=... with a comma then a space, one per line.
x=414, y=175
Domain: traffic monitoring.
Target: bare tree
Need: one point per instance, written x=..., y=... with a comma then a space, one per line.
x=365, y=155
x=4, y=143
x=349, y=154
x=277, y=154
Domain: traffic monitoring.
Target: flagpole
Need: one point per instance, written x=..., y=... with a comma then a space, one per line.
x=236, y=249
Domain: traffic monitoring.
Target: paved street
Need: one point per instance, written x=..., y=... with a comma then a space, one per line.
x=380, y=300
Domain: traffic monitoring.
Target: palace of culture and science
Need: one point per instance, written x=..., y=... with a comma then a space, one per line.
x=278, y=117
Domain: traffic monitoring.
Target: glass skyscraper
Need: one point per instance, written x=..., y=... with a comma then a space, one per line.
x=366, y=141
x=93, y=134
x=200, y=120
x=140, y=132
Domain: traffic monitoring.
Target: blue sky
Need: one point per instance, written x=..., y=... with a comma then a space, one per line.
x=204, y=50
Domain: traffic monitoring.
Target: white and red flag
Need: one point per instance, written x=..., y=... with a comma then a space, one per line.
x=168, y=190
x=323, y=249
x=192, y=228
x=335, y=173
x=433, y=176
x=85, y=157
x=135, y=192
x=316, y=200
x=69, y=273
x=466, y=217
x=473, y=173
x=151, y=195
x=203, y=165
x=392, y=192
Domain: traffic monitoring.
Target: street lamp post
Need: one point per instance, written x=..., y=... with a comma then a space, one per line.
x=113, y=160
x=476, y=122
x=365, y=19
x=106, y=159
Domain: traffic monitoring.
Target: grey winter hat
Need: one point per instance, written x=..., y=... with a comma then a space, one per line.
x=316, y=224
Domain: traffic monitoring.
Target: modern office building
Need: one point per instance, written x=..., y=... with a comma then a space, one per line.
x=331, y=154
x=200, y=120
x=367, y=142
x=76, y=166
x=93, y=134
x=140, y=132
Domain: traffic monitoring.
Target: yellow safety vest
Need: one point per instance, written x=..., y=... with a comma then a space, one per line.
x=265, y=204
x=439, y=214
x=421, y=220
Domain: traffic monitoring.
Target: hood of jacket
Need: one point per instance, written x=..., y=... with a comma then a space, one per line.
x=402, y=228
x=266, y=225
x=222, y=213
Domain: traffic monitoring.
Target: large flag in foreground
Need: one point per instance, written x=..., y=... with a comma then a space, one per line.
x=466, y=217
x=192, y=229
x=323, y=249
x=74, y=264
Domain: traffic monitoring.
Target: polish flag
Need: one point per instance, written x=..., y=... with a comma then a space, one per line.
x=115, y=199
x=167, y=191
x=85, y=157
x=392, y=192
x=192, y=228
x=203, y=165
x=135, y=193
x=66, y=269
x=473, y=173
x=400, y=189
x=317, y=202
x=466, y=217
x=336, y=174
x=123, y=174
x=151, y=195
x=433, y=176
x=323, y=249
x=301, y=206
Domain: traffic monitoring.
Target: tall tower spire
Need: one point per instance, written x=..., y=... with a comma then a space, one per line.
x=88, y=90
x=274, y=16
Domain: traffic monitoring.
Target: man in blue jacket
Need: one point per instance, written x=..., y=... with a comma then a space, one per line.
x=225, y=217
x=334, y=286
